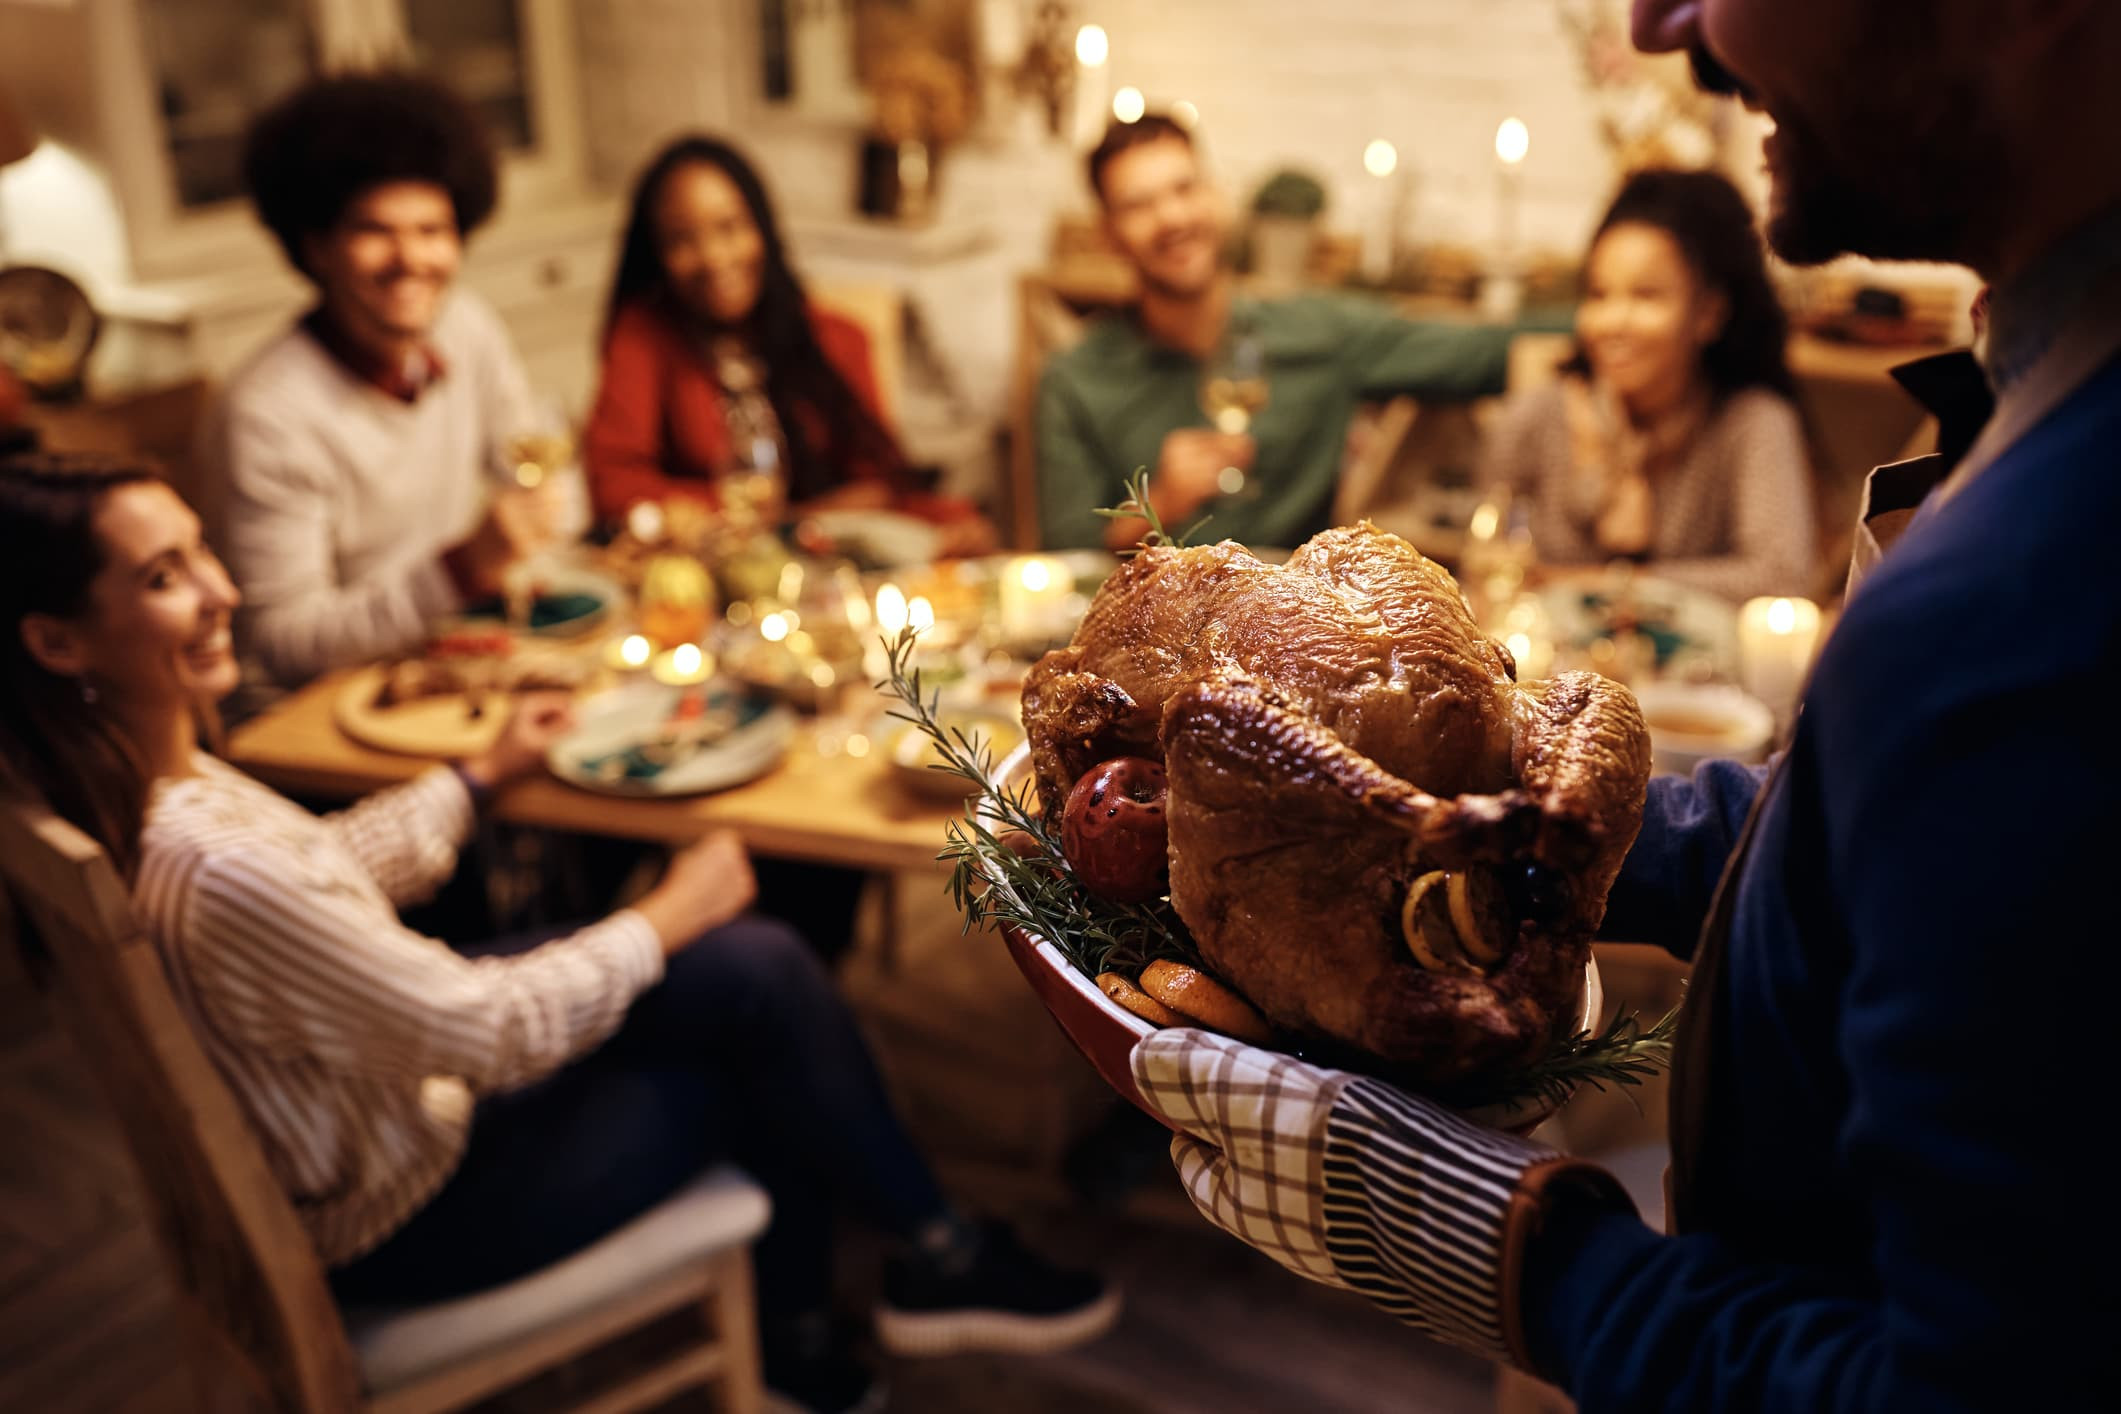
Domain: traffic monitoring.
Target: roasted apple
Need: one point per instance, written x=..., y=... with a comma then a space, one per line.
x=1114, y=831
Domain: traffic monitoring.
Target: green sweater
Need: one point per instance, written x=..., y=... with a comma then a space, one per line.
x=1105, y=406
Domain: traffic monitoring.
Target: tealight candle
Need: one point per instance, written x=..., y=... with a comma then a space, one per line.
x=628, y=655
x=1776, y=640
x=1034, y=597
x=686, y=665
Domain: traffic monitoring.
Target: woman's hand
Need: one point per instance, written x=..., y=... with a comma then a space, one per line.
x=707, y=884
x=1349, y=1182
x=539, y=720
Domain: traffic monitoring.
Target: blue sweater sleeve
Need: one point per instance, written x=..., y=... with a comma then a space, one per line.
x=1970, y=844
x=1689, y=827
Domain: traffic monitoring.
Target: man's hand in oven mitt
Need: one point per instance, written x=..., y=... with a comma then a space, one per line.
x=1349, y=1182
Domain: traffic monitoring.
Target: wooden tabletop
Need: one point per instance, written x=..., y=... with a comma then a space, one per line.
x=839, y=809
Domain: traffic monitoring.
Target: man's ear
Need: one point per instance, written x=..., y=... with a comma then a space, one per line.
x=55, y=644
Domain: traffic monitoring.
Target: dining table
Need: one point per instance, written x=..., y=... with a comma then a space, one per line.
x=821, y=806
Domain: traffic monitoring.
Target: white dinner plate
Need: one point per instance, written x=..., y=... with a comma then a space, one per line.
x=886, y=540
x=594, y=755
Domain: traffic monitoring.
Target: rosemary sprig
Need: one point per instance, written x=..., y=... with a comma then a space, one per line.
x=1031, y=886
x=1136, y=506
x=1620, y=1057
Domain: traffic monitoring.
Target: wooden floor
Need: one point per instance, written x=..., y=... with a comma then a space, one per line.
x=86, y=1320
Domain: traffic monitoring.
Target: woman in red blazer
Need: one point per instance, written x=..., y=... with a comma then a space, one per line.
x=716, y=363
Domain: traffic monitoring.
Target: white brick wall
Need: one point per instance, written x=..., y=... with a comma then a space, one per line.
x=1277, y=82
x=1310, y=82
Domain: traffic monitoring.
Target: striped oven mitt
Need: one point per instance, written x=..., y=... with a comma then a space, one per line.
x=1349, y=1182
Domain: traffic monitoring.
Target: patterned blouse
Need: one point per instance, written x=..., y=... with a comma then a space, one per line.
x=1733, y=513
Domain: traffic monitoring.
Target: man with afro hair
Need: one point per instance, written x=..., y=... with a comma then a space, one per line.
x=353, y=447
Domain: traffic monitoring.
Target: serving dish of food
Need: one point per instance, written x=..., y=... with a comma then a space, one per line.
x=451, y=698
x=1310, y=805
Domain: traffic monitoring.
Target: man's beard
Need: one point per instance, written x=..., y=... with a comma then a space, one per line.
x=1898, y=181
x=1894, y=186
x=1173, y=289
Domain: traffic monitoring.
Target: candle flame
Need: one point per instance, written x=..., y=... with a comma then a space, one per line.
x=891, y=609
x=686, y=658
x=1034, y=575
x=920, y=614
x=1091, y=46
x=1128, y=105
x=1512, y=141
x=1782, y=616
x=1380, y=158
x=635, y=651
x=774, y=627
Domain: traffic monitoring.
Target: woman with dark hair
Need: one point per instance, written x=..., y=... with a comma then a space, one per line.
x=717, y=363
x=1672, y=436
x=445, y=1120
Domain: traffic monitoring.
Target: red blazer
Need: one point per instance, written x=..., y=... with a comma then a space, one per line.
x=658, y=428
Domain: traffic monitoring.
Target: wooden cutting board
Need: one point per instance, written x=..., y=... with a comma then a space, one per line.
x=442, y=726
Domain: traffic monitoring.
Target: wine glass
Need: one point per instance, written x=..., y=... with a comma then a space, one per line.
x=539, y=460
x=1233, y=391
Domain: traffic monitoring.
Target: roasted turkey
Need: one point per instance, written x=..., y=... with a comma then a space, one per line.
x=1393, y=848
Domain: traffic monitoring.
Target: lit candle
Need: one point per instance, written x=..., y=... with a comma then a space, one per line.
x=683, y=666
x=1380, y=159
x=628, y=655
x=891, y=610
x=1128, y=105
x=1502, y=292
x=1513, y=140
x=1093, y=82
x=645, y=522
x=1776, y=640
x=1034, y=598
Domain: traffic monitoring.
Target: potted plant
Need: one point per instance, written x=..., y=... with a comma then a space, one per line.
x=1285, y=213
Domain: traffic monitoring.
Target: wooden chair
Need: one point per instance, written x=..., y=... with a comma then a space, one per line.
x=881, y=313
x=248, y=1278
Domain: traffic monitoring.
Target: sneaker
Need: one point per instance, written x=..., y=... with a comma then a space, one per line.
x=1004, y=1298
x=819, y=1381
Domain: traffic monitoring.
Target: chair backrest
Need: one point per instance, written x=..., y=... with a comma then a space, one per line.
x=1047, y=323
x=881, y=312
x=240, y=1255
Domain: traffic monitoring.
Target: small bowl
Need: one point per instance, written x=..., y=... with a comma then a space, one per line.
x=1695, y=722
x=1106, y=1033
x=913, y=758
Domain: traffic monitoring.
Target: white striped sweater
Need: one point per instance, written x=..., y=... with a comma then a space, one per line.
x=354, y=1044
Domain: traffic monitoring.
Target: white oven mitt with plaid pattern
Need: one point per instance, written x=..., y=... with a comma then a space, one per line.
x=1349, y=1182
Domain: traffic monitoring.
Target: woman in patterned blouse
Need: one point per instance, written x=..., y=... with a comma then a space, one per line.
x=446, y=1118
x=1672, y=437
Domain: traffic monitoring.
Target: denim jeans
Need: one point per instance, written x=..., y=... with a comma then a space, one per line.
x=744, y=1053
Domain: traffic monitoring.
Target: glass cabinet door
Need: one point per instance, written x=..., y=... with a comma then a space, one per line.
x=215, y=64
x=477, y=48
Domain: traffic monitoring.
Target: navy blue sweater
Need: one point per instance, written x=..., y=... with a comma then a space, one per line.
x=1914, y=1060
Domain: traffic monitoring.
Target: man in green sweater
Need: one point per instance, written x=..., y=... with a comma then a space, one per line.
x=1131, y=394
